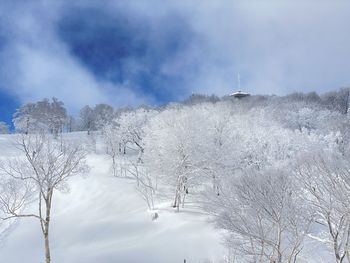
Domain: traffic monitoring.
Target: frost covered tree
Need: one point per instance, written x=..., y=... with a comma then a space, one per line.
x=259, y=166
x=113, y=144
x=44, y=165
x=71, y=124
x=4, y=128
x=325, y=176
x=103, y=115
x=200, y=98
x=338, y=100
x=25, y=118
x=259, y=202
x=145, y=183
x=87, y=122
x=125, y=130
x=263, y=214
x=131, y=127
x=128, y=130
x=41, y=115
x=128, y=166
x=56, y=115
x=93, y=119
x=243, y=148
x=174, y=144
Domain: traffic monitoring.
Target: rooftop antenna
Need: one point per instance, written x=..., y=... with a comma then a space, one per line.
x=239, y=81
x=239, y=94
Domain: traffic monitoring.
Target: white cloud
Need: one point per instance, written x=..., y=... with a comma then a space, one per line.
x=39, y=64
x=46, y=74
x=277, y=46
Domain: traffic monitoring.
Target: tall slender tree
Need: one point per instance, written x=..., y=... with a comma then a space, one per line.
x=43, y=166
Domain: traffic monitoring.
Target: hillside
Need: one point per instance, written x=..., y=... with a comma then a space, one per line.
x=103, y=219
x=270, y=173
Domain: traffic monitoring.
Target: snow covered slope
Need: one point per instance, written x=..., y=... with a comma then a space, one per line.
x=103, y=220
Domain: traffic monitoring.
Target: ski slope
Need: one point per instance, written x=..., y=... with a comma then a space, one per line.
x=102, y=219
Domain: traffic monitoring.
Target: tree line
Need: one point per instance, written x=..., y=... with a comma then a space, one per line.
x=272, y=172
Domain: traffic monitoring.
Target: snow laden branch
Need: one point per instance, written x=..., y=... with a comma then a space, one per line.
x=271, y=171
x=326, y=179
x=43, y=165
x=263, y=214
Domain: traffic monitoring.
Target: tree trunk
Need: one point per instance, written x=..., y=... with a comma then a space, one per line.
x=183, y=199
x=114, y=166
x=48, y=202
x=175, y=200
x=47, y=246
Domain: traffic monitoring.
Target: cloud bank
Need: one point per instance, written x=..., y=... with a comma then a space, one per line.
x=134, y=52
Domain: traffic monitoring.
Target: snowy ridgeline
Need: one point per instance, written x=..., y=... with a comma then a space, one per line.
x=271, y=174
x=103, y=219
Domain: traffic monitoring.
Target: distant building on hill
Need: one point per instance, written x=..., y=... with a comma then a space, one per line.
x=239, y=94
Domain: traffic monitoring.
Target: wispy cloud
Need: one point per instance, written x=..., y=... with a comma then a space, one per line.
x=132, y=52
x=39, y=64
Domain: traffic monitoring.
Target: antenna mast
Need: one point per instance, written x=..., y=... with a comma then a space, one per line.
x=239, y=81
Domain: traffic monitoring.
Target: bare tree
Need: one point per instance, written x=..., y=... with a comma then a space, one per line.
x=172, y=146
x=145, y=184
x=263, y=214
x=131, y=166
x=337, y=100
x=44, y=165
x=25, y=119
x=131, y=127
x=103, y=115
x=326, y=179
x=113, y=142
x=86, y=120
x=42, y=115
x=4, y=128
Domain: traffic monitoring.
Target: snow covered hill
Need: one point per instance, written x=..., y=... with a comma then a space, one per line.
x=103, y=220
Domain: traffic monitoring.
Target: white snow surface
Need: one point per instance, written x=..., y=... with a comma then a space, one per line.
x=103, y=220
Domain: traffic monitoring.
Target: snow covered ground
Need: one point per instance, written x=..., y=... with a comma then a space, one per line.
x=103, y=220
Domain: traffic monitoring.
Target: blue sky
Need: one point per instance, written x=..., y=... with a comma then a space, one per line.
x=150, y=52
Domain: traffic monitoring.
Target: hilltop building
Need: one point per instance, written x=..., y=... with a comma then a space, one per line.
x=239, y=94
